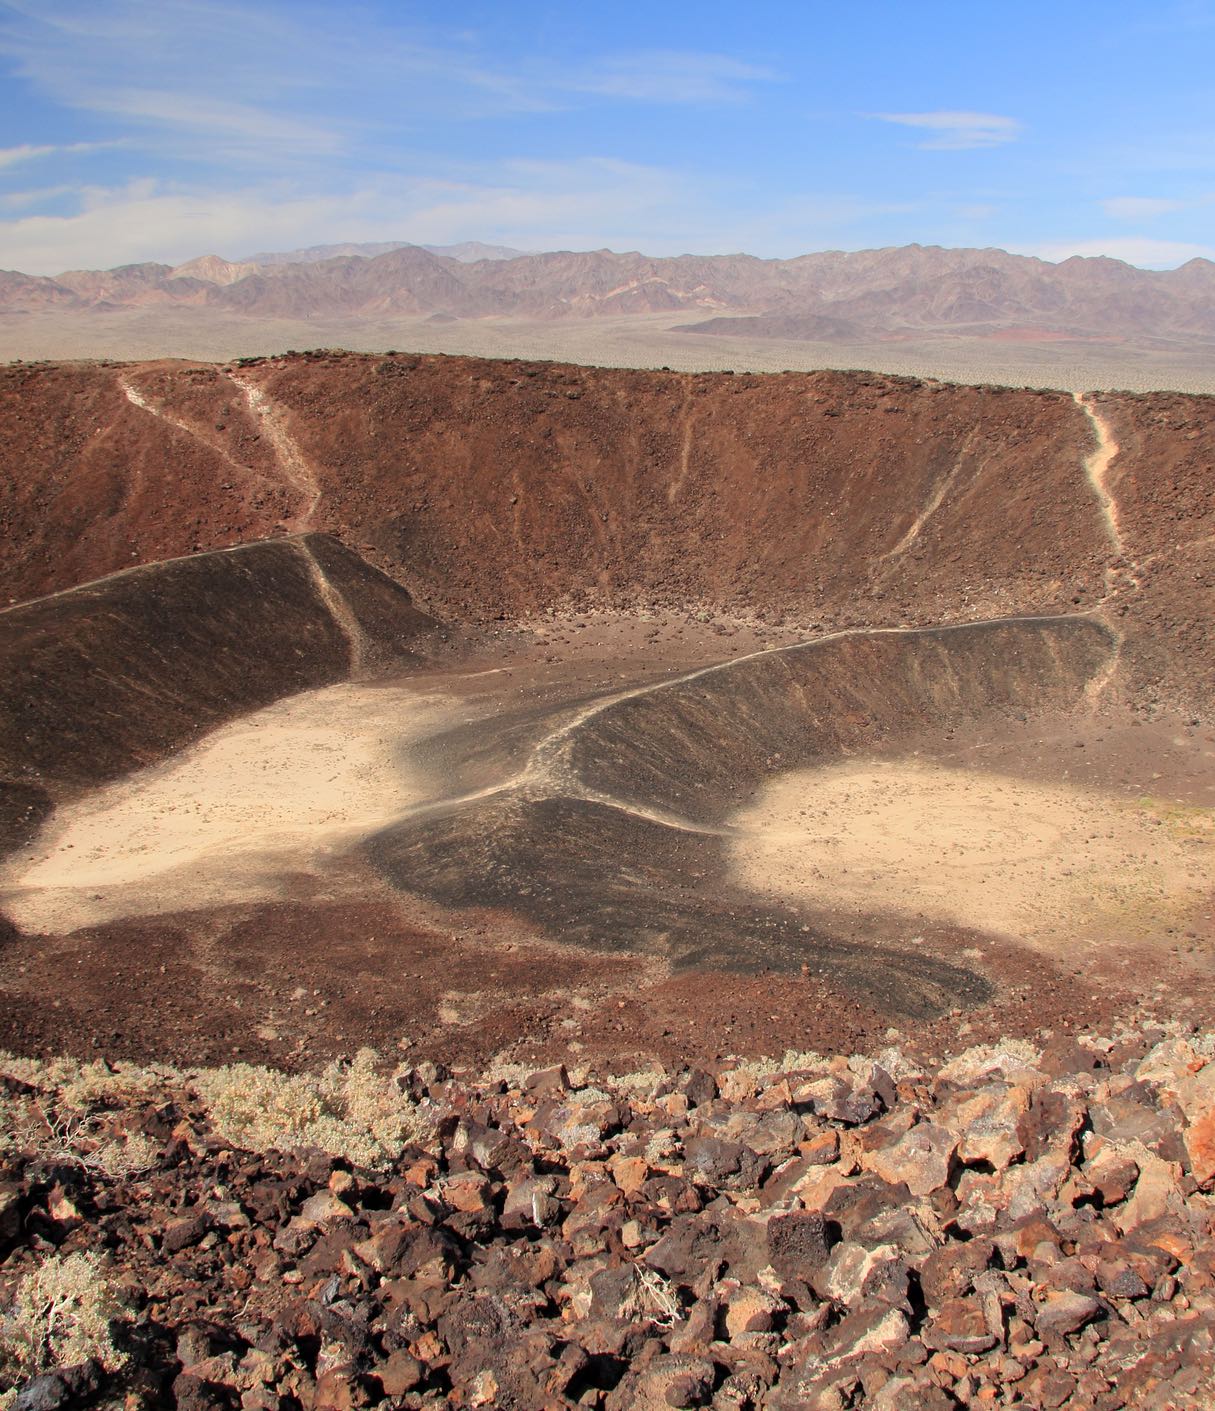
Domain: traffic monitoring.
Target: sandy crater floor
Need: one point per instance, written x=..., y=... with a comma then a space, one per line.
x=277, y=792
x=1040, y=863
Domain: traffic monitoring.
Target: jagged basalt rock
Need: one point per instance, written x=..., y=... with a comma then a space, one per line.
x=707, y=1283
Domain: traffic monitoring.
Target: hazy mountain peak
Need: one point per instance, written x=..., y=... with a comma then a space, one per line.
x=467, y=252
x=214, y=269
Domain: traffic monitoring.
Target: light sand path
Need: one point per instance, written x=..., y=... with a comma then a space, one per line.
x=1097, y=471
x=137, y=399
x=675, y=488
x=339, y=609
x=933, y=503
x=292, y=462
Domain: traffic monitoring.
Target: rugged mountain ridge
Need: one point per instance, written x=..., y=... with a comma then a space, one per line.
x=833, y=295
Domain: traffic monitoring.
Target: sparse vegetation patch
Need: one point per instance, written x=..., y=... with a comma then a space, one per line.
x=348, y=1110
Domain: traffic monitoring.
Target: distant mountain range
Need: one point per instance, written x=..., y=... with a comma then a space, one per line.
x=466, y=252
x=905, y=291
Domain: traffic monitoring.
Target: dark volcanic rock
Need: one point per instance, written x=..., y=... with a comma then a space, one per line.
x=632, y=1261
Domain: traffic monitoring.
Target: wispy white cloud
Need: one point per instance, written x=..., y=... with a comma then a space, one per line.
x=31, y=152
x=576, y=204
x=585, y=202
x=218, y=117
x=1134, y=208
x=670, y=76
x=38, y=196
x=142, y=221
x=26, y=152
x=228, y=82
x=953, y=131
x=177, y=77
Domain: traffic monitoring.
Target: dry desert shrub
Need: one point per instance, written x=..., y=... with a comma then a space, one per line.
x=93, y=1142
x=11, y=1118
x=75, y=1113
x=512, y=1074
x=82, y=1087
x=350, y=1110
x=640, y=1083
x=63, y=1314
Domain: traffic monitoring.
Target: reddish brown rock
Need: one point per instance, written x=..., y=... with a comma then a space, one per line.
x=921, y=1160
x=1200, y=1147
x=960, y=1325
x=1064, y=1312
x=798, y=1242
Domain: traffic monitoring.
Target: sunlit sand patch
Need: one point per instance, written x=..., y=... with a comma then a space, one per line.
x=272, y=794
x=1044, y=864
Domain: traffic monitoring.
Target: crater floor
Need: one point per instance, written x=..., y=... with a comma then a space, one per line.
x=484, y=858
x=572, y=797
x=1048, y=865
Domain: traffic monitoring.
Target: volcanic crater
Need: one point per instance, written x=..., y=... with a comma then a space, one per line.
x=498, y=708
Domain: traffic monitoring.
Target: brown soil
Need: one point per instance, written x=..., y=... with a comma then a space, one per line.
x=291, y=984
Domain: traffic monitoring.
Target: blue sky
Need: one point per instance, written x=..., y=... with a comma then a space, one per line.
x=135, y=130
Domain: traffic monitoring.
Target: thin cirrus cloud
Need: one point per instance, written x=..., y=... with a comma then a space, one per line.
x=1134, y=208
x=322, y=85
x=171, y=80
x=671, y=76
x=32, y=152
x=949, y=130
x=218, y=117
x=38, y=196
x=25, y=152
